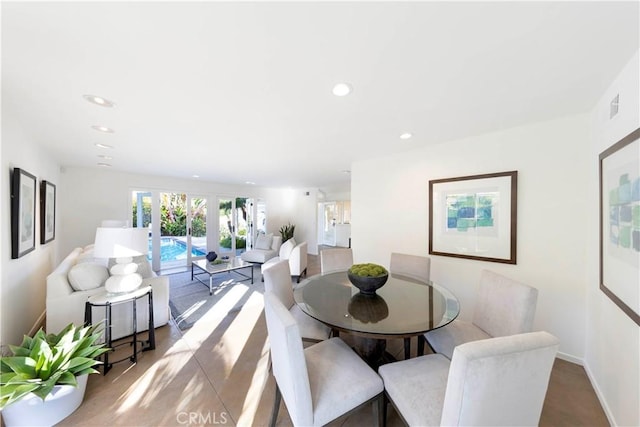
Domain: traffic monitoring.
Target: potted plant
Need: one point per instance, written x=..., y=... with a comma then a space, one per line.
x=45, y=379
x=368, y=277
x=286, y=231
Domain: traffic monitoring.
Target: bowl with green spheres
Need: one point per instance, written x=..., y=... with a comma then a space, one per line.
x=368, y=277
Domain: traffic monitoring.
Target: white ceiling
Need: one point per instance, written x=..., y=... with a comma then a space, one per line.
x=237, y=92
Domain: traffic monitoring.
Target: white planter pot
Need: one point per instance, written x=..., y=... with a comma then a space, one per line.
x=58, y=405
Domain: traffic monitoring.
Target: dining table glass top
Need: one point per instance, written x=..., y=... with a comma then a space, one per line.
x=403, y=307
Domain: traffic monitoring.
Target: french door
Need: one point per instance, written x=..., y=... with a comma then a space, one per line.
x=234, y=218
x=177, y=224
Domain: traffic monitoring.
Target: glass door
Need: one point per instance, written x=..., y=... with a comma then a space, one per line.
x=181, y=235
x=233, y=225
x=197, y=228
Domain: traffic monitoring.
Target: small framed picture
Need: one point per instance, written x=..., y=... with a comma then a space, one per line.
x=47, y=212
x=23, y=213
x=474, y=217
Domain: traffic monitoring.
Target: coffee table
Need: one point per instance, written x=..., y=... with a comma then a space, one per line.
x=233, y=265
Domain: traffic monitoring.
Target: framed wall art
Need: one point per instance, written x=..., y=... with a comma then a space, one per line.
x=474, y=217
x=23, y=213
x=47, y=212
x=620, y=224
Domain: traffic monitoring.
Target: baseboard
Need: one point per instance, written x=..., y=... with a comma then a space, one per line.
x=40, y=323
x=603, y=402
x=570, y=358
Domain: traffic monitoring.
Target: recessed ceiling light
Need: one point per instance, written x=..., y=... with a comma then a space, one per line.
x=195, y=176
x=250, y=183
x=104, y=165
x=102, y=156
x=342, y=89
x=406, y=135
x=102, y=129
x=103, y=145
x=98, y=100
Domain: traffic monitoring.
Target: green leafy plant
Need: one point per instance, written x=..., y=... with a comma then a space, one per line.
x=43, y=361
x=286, y=231
x=368, y=270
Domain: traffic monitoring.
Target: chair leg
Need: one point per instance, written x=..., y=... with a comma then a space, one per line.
x=407, y=348
x=421, y=340
x=385, y=402
x=276, y=407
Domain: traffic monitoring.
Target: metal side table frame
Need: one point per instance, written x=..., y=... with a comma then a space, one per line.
x=107, y=300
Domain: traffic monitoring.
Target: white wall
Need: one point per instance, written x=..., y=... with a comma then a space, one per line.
x=294, y=206
x=95, y=194
x=22, y=290
x=389, y=201
x=613, y=339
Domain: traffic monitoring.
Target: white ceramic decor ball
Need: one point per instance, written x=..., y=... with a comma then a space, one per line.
x=123, y=278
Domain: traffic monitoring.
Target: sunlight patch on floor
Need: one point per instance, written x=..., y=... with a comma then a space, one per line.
x=256, y=388
x=208, y=323
x=234, y=340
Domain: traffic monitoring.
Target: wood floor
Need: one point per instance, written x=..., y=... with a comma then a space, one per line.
x=217, y=373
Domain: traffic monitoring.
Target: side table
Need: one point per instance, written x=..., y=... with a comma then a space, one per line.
x=107, y=300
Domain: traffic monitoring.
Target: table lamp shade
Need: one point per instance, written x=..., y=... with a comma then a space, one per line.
x=121, y=242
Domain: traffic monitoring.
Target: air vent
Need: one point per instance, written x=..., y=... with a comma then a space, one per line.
x=613, y=107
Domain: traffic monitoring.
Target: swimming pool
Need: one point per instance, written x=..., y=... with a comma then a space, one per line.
x=172, y=249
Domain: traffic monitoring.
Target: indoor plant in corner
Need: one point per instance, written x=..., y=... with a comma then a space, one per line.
x=286, y=231
x=45, y=379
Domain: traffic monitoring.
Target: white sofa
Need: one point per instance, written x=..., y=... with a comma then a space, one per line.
x=266, y=247
x=297, y=256
x=66, y=305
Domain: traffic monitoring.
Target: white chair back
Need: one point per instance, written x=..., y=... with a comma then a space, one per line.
x=412, y=266
x=499, y=381
x=504, y=306
x=335, y=260
x=287, y=358
x=277, y=279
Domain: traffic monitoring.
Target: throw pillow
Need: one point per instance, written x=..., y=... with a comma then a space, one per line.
x=118, y=284
x=286, y=248
x=264, y=241
x=87, y=275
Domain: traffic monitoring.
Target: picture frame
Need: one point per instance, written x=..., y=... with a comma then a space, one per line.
x=47, y=212
x=23, y=213
x=619, y=182
x=475, y=217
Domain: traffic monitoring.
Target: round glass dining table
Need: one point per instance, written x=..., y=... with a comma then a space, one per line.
x=402, y=308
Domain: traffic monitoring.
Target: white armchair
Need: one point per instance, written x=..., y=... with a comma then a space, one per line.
x=265, y=248
x=296, y=254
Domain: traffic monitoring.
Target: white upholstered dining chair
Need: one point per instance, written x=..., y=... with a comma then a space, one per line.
x=503, y=307
x=277, y=279
x=339, y=259
x=414, y=267
x=494, y=382
x=319, y=383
